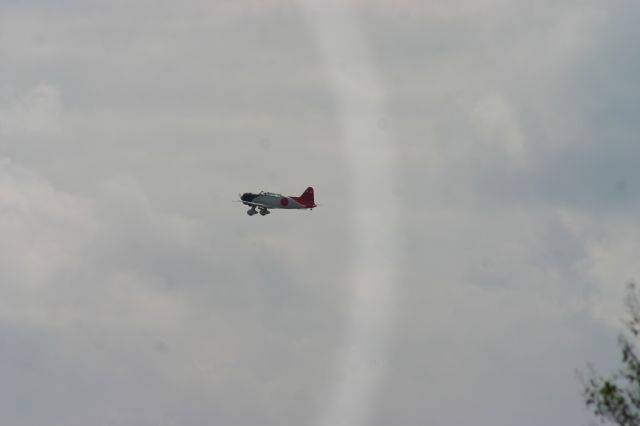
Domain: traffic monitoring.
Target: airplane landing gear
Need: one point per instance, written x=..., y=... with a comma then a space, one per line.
x=252, y=211
x=264, y=212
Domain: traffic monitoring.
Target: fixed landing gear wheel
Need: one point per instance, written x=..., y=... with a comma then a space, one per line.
x=251, y=212
x=264, y=212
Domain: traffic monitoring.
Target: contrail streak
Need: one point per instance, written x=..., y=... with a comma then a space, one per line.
x=371, y=155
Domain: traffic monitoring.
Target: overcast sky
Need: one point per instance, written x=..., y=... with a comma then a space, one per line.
x=488, y=147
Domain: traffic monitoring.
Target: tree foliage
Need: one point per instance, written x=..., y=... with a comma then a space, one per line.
x=616, y=399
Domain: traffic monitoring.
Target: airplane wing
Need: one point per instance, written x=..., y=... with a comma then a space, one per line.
x=252, y=204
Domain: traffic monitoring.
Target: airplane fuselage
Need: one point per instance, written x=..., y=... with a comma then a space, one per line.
x=264, y=201
x=271, y=201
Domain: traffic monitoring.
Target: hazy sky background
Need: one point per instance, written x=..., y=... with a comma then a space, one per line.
x=133, y=291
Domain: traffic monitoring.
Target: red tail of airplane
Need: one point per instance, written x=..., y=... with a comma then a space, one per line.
x=306, y=198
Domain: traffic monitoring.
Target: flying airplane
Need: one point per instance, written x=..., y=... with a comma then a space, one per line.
x=263, y=201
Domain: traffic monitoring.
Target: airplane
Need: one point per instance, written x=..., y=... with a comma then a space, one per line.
x=263, y=201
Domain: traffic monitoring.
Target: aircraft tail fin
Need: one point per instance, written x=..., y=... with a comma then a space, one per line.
x=307, y=198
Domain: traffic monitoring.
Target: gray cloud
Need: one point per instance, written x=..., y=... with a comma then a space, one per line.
x=133, y=291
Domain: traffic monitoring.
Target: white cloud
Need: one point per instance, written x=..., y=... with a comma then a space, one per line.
x=44, y=232
x=612, y=262
x=498, y=129
x=37, y=111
